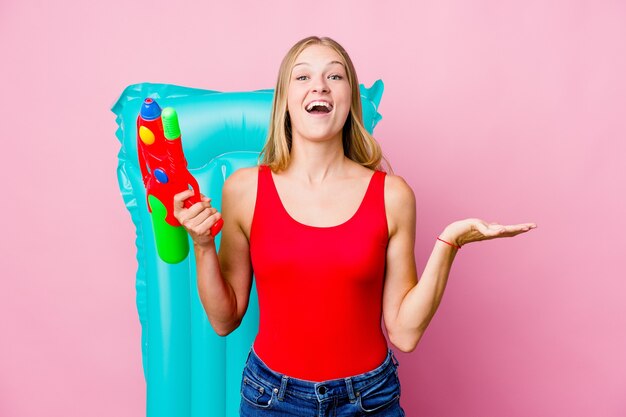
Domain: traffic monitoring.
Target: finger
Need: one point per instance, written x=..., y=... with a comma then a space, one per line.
x=480, y=228
x=527, y=226
x=204, y=204
x=204, y=198
x=516, y=229
x=193, y=223
x=179, y=199
x=488, y=231
x=206, y=225
x=497, y=228
x=199, y=207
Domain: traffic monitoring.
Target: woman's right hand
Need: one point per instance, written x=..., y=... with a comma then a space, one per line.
x=197, y=219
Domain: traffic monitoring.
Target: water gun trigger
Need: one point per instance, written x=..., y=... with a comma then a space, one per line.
x=196, y=197
x=191, y=201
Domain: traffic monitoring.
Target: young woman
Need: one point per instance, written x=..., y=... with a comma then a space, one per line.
x=330, y=237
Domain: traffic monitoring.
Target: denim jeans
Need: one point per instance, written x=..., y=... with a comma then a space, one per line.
x=267, y=393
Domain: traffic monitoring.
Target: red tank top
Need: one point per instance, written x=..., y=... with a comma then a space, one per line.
x=319, y=288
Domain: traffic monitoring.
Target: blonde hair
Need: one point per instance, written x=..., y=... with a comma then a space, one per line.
x=358, y=144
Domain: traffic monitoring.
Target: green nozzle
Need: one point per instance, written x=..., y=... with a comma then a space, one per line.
x=171, y=129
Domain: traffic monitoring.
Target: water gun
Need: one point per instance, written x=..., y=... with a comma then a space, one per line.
x=164, y=172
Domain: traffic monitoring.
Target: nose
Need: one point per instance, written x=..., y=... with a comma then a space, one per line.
x=320, y=85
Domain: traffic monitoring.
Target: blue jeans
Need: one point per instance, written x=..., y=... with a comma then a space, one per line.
x=267, y=393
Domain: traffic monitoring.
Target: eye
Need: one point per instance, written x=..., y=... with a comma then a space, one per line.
x=338, y=77
x=300, y=77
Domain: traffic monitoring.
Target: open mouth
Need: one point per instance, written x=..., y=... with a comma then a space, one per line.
x=319, y=107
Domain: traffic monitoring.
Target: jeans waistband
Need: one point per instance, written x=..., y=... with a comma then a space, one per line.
x=348, y=386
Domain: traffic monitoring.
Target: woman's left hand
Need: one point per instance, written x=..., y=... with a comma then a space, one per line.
x=474, y=230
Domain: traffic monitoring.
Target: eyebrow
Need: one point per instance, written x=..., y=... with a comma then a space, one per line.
x=330, y=63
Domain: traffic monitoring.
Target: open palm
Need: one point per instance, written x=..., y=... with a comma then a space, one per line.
x=474, y=230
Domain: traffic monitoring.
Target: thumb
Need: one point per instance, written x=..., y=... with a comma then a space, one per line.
x=179, y=199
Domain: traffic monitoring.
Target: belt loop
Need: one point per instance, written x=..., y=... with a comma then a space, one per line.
x=283, y=387
x=350, y=389
x=395, y=360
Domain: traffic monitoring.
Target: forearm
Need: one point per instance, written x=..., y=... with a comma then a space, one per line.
x=216, y=294
x=421, y=302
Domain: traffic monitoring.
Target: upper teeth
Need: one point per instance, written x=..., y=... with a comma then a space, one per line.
x=319, y=103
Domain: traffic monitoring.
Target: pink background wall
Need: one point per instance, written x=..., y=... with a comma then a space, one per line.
x=506, y=111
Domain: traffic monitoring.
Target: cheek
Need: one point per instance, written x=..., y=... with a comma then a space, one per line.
x=290, y=103
x=290, y=97
x=347, y=97
x=292, y=100
x=344, y=116
x=345, y=109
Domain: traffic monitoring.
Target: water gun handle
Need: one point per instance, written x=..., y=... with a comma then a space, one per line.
x=196, y=198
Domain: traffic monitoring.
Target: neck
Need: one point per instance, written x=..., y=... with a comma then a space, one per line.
x=313, y=162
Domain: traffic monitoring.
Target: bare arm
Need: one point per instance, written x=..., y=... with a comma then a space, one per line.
x=224, y=279
x=408, y=304
x=216, y=294
x=422, y=301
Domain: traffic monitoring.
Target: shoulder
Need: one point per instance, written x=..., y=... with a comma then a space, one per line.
x=399, y=202
x=241, y=181
x=239, y=195
x=240, y=187
x=397, y=187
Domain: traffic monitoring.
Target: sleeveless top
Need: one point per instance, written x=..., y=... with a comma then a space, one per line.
x=319, y=288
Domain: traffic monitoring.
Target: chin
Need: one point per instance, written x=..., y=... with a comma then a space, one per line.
x=322, y=137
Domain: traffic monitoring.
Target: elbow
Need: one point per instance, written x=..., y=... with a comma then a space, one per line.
x=406, y=342
x=224, y=331
x=405, y=348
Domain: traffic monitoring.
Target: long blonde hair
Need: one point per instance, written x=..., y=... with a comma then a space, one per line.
x=358, y=144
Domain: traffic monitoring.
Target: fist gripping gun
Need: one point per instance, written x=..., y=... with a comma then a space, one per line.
x=164, y=172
